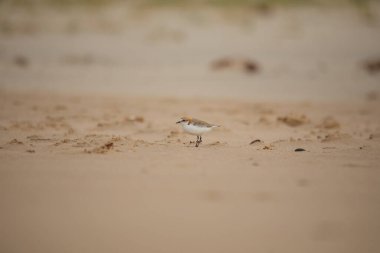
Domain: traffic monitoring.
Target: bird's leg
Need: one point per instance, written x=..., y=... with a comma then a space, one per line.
x=197, y=142
x=200, y=139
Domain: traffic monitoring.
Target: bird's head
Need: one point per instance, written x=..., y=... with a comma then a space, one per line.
x=184, y=120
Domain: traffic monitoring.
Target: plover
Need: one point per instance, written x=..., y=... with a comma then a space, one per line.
x=196, y=127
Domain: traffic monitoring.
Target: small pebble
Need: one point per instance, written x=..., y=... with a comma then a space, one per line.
x=299, y=150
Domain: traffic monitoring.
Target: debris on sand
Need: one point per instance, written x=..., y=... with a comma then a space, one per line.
x=335, y=137
x=15, y=141
x=294, y=120
x=102, y=149
x=245, y=65
x=108, y=145
x=222, y=63
x=372, y=66
x=21, y=61
x=250, y=66
x=37, y=138
x=270, y=147
x=64, y=141
x=299, y=150
x=329, y=123
x=116, y=138
x=134, y=118
x=254, y=141
x=374, y=136
x=372, y=96
x=263, y=7
x=30, y=151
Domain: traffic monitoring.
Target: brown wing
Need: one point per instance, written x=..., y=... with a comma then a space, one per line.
x=199, y=122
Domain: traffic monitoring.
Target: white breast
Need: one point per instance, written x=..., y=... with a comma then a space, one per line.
x=195, y=130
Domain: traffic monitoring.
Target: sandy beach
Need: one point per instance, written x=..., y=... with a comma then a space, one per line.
x=91, y=159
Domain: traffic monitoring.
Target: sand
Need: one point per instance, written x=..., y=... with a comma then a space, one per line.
x=91, y=159
x=99, y=174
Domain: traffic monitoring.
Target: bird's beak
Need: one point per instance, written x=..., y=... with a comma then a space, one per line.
x=178, y=122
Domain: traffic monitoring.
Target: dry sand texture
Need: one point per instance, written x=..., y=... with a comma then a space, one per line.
x=91, y=159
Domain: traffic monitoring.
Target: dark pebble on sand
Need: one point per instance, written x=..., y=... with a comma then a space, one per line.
x=299, y=150
x=372, y=66
x=250, y=66
x=252, y=142
x=21, y=61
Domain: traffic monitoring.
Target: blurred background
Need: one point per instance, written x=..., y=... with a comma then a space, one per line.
x=251, y=49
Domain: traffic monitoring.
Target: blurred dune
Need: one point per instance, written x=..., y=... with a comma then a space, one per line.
x=303, y=53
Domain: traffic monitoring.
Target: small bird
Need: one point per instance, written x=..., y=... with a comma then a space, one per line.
x=196, y=127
